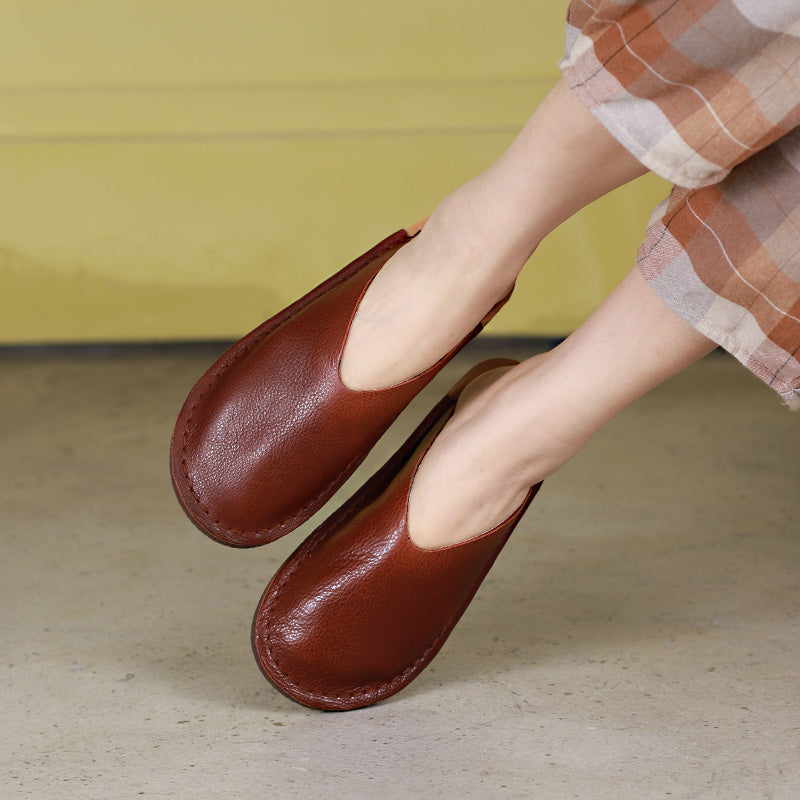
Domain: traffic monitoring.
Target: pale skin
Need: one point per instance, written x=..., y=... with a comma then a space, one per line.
x=518, y=426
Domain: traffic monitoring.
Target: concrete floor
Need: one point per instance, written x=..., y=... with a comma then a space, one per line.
x=639, y=637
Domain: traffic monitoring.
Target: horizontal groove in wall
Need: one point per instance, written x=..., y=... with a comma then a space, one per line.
x=64, y=115
x=252, y=136
x=258, y=85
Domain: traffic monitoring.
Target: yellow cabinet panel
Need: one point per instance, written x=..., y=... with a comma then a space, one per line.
x=181, y=170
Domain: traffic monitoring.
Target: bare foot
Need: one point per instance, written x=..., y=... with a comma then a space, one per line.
x=425, y=300
x=535, y=417
x=479, y=468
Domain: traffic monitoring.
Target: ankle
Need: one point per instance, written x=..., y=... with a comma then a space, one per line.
x=475, y=229
x=531, y=426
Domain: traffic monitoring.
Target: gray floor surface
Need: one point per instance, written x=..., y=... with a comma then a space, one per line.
x=638, y=638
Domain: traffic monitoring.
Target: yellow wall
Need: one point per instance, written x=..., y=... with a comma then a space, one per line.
x=180, y=169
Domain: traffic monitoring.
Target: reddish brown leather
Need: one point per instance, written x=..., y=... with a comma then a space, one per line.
x=269, y=433
x=358, y=611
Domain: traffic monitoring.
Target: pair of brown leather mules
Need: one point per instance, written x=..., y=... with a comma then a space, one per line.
x=265, y=438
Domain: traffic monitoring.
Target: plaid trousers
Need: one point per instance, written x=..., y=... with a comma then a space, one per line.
x=706, y=93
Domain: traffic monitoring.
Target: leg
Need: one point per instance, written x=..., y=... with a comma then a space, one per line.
x=535, y=417
x=478, y=239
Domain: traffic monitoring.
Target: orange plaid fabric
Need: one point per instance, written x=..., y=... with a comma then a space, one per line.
x=707, y=94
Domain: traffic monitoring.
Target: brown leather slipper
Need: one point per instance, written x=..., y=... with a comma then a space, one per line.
x=358, y=610
x=269, y=432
